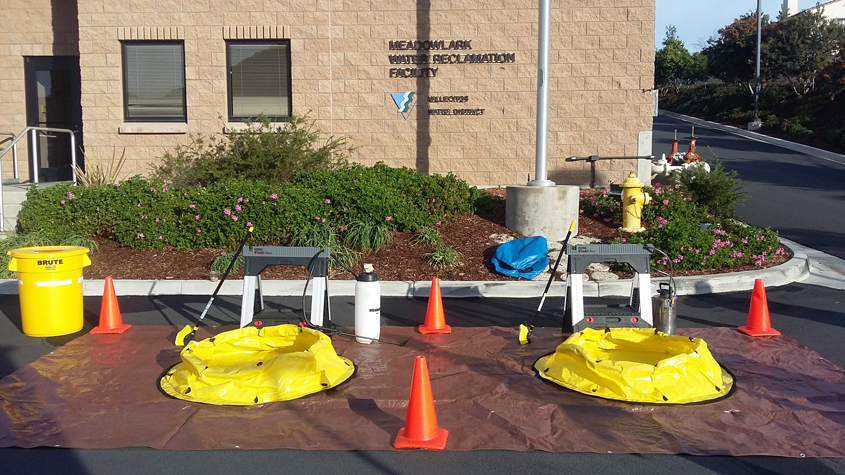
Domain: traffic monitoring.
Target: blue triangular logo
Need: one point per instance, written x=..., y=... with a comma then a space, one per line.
x=405, y=102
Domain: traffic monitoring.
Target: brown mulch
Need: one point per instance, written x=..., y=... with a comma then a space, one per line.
x=401, y=261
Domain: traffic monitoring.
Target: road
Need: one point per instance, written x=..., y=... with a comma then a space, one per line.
x=799, y=195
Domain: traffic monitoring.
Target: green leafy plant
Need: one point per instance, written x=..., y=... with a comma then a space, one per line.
x=602, y=207
x=444, y=256
x=798, y=132
x=428, y=235
x=18, y=241
x=366, y=235
x=486, y=203
x=185, y=166
x=717, y=191
x=262, y=152
x=81, y=241
x=322, y=235
x=100, y=172
x=837, y=136
x=221, y=262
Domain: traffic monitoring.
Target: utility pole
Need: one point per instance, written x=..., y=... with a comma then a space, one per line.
x=756, y=124
x=542, y=157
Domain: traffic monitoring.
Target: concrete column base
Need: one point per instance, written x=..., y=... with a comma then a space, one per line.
x=542, y=210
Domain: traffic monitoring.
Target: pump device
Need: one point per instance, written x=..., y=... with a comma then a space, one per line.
x=367, y=306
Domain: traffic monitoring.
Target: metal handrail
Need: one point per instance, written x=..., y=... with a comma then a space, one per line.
x=34, y=144
x=14, y=153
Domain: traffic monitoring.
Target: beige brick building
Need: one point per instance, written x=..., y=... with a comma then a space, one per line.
x=153, y=72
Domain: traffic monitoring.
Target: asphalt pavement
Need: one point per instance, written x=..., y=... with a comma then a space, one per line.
x=792, y=188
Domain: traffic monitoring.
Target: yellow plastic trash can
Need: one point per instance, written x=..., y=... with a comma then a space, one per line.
x=50, y=288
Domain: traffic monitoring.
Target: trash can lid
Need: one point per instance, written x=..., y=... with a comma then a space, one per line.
x=42, y=252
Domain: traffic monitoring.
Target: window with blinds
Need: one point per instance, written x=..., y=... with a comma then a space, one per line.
x=259, y=79
x=154, y=81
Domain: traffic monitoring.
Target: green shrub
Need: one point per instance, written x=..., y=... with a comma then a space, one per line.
x=185, y=166
x=145, y=214
x=770, y=121
x=401, y=198
x=485, y=203
x=717, y=191
x=796, y=131
x=837, y=137
x=258, y=153
x=602, y=207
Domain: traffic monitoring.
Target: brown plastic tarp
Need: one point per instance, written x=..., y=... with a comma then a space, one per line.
x=100, y=391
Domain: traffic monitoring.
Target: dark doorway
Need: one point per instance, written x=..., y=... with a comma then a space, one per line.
x=53, y=99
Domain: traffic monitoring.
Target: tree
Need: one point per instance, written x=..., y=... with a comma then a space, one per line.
x=732, y=55
x=800, y=46
x=674, y=65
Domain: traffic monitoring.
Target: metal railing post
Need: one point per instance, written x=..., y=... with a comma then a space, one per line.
x=33, y=143
x=73, y=156
x=15, y=158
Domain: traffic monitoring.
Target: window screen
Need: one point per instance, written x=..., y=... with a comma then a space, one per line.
x=259, y=79
x=154, y=81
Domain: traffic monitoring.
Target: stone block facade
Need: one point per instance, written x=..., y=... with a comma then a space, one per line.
x=471, y=63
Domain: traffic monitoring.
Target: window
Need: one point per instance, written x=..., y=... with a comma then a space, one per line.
x=259, y=79
x=154, y=81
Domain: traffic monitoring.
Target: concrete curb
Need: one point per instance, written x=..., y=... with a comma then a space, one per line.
x=796, y=269
x=796, y=147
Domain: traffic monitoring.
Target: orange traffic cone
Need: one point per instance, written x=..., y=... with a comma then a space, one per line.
x=758, y=314
x=435, y=322
x=110, y=320
x=421, y=431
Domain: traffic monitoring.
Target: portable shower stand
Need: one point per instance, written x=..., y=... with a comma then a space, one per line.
x=256, y=259
x=636, y=313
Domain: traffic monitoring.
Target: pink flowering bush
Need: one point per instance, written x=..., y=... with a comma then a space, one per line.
x=602, y=207
x=693, y=238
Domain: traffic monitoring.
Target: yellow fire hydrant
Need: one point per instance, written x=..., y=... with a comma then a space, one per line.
x=633, y=200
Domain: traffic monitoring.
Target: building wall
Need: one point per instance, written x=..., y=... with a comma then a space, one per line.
x=602, y=57
x=30, y=28
x=833, y=11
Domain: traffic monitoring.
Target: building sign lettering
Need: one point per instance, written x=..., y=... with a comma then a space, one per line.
x=436, y=52
x=431, y=56
x=452, y=58
x=413, y=72
x=428, y=45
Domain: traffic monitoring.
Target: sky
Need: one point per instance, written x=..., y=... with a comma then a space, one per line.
x=697, y=20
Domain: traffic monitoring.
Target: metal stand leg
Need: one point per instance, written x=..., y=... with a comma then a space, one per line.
x=576, y=297
x=248, y=300
x=645, y=299
x=318, y=300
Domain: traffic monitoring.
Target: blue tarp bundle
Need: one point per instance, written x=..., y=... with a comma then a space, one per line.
x=524, y=257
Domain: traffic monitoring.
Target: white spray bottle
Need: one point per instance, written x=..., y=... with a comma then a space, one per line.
x=367, y=305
